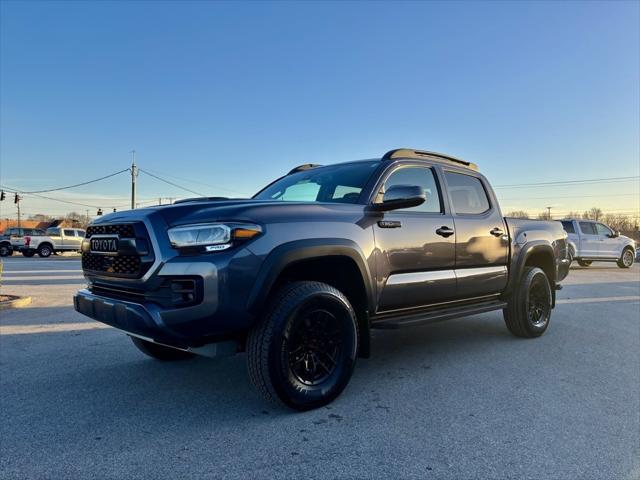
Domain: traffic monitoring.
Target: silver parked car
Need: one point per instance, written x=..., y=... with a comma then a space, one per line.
x=591, y=241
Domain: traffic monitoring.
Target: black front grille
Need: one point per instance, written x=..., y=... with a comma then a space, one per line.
x=124, y=230
x=127, y=264
x=133, y=262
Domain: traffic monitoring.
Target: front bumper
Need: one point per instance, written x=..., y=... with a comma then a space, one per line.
x=182, y=326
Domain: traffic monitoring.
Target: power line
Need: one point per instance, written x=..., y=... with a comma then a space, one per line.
x=571, y=182
x=77, y=184
x=171, y=183
x=198, y=182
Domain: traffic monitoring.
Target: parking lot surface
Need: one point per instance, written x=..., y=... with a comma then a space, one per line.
x=462, y=399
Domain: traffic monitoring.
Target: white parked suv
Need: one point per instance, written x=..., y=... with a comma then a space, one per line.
x=55, y=240
x=591, y=241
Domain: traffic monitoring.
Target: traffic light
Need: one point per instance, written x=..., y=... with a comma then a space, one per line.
x=16, y=199
x=114, y=210
x=2, y=195
x=99, y=212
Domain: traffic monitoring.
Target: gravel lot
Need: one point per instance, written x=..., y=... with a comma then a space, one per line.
x=460, y=400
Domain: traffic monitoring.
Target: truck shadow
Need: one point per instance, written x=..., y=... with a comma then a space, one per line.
x=97, y=377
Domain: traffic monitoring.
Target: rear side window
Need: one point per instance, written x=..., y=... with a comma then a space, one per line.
x=588, y=228
x=69, y=233
x=422, y=177
x=568, y=227
x=81, y=233
x=53, y=231
x=467, y=193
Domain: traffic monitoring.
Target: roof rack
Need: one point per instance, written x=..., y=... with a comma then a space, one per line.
x=411, y=153
x=302, y=168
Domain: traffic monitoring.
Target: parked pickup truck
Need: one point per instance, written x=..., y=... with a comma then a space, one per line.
x=298, y=275
x=13, y=239
x=591, y=241
x=55, y=240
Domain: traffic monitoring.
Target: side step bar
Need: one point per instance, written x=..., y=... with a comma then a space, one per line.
x=432, y=316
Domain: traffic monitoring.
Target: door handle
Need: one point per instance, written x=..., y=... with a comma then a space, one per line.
x=445, y=231
x=497, y=232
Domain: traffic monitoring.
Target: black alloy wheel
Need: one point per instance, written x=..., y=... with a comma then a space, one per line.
x=528, y=310
x=303, y=351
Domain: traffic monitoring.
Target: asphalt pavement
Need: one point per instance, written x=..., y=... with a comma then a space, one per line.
x=457, y=400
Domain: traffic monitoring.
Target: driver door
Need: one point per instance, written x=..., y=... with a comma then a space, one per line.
x=416, y=255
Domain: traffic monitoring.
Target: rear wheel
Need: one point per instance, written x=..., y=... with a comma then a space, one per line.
x=160, y=352
x=529, y=309
x=585, y=263
x=28, y=253
x=6, y=250
x=303, y=352
x=45, y=251
x=627, y=258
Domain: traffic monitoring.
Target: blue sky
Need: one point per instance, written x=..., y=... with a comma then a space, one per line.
x=226, y=96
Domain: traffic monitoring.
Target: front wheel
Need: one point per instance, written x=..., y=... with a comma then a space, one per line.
x=529, y=309
x=160, y=352
x=626, y=259
x=303, y=352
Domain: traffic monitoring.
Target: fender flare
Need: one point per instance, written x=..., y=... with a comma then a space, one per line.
x=299, y=250
x=522, y=255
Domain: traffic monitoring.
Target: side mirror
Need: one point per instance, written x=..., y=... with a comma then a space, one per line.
x=401, y=196
x=615, y=234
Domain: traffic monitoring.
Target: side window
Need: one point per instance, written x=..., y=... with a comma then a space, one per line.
x=422, y=177
x=81, y=233
x=587, y=228
x=467, y=193
x=55, y=232
x=568, y=227
x=603, y=229
x=69, y=233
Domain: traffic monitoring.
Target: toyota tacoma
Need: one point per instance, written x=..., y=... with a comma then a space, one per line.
x=299, y=275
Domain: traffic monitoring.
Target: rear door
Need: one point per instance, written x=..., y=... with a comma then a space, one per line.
x=482, y=242
x=589, y=240
x=416, y=246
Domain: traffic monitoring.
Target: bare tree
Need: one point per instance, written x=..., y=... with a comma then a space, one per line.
x=544, y=216
x=593, y=214
x=518, y=214
x=573, y=215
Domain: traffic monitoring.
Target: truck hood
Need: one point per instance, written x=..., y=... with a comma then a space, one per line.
x=257, y=211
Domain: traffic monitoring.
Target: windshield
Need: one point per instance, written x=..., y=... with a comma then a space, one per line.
x=335, y=183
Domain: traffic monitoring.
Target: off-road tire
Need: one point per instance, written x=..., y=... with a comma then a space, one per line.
x=627, y=258
x=160, y=352
x=585, y=263
x=6, y=250
x=518, y=315
x=45, y=250
x=272, y=366
x=28, y=254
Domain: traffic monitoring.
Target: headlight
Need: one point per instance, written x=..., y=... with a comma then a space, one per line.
x=211, y=237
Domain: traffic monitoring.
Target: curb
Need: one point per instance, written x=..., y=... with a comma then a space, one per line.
x=16, y=302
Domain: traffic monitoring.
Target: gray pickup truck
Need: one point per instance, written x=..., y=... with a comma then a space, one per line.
x=298, y=275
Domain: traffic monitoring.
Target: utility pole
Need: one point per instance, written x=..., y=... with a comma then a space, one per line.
x=134, y=174
x=549, y=212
